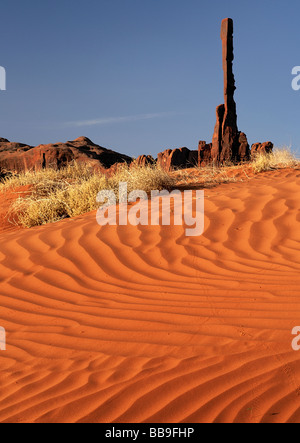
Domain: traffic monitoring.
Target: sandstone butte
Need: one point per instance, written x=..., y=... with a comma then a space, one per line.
x=17, y=157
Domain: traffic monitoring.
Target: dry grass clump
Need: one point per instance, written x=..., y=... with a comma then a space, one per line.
x=51, y=202
x=279, y=158
x=207, y=176
x=74, y=171
x=145, y=178
x=72, y=191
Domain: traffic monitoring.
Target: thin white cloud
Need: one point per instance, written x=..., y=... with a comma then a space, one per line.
x=129, y=118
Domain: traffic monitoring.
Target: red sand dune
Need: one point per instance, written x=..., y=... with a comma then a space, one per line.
x=131, y=324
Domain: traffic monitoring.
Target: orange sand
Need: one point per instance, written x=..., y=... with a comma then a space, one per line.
x=8, y=220
x=130, y=324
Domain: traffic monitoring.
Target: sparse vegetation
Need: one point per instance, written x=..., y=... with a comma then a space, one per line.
x=72, y=191
x=206, y=176
x=279, y=158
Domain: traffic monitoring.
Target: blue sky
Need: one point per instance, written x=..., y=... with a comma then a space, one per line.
x=140, y=76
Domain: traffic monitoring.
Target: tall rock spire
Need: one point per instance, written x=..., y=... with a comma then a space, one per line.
x=226, y=144
x=229, y=127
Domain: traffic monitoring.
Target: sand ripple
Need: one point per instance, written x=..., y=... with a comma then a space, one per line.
x=125, y=324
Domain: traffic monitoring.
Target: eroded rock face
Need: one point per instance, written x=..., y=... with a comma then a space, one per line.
x=243, y=147
x=16, y=157
x=218, y=134
x=204, y=153
x=179, y=158
x=192, y=159
x=144, y=160
x=229, y=124
x=228, y=145
x=264, y=148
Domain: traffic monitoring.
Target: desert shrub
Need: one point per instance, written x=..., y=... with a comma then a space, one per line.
x=145, y=178
x=279, y=158
x=72, y=191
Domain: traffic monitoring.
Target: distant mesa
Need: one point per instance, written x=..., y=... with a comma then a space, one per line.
x=17, y=157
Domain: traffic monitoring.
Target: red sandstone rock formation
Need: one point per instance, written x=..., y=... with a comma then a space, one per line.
x=243, y=147
x=16, y=157
x=144, y=160
x=229, y=124
x=218, y=134
x=228, y=143
x=264, y=148
x=177, y=159
x=204, y=153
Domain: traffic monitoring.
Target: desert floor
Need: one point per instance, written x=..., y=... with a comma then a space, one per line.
x=143, y=324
